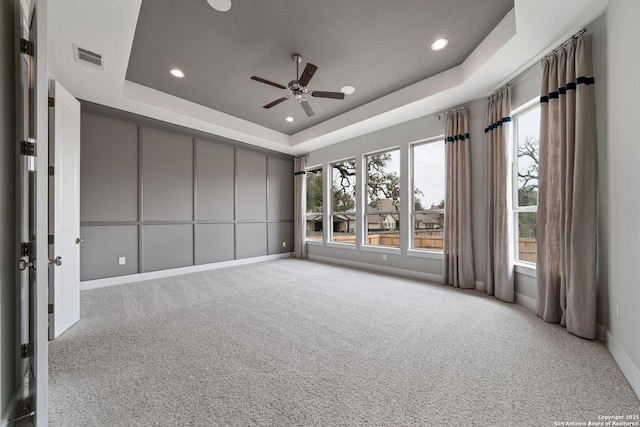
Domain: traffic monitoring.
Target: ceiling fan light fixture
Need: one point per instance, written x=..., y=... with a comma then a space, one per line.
x=439, y=44
x=348, y=90
x=175, y=72
x=220, y=5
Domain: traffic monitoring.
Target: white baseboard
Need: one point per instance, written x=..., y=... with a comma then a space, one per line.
x=526, y=301
x=601, y=331
x=628, y=368
x=437, y=278
x=121, y=280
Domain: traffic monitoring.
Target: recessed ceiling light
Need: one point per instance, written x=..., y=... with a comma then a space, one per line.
x=439, y=44
x=348, y=90
x=290, y=119
x=220, y=5
x=176, y=73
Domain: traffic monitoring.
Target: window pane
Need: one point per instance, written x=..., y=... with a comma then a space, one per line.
x=314, y=204
x=527, y=236
x=527, y=133
x=428, y=176
x=344, y=228
x=428, y=195
x=383, y=229
x=428, y=231
x=383, y=181
x=343, y=202
x=383, y=199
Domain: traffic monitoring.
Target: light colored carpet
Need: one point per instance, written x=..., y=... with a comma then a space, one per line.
x=299, y=343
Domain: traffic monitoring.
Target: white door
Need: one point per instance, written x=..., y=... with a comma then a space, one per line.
x=64, y=204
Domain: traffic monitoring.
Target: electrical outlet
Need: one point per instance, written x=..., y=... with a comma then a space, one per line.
x=384, y=257
x=284, y=244
x=617, y=310
x=122, y=260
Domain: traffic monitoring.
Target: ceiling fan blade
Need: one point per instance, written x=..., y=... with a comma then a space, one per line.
x=306, y=107
x=332, y=95
x=269, y=82
x=276, y=102
x=308, y=72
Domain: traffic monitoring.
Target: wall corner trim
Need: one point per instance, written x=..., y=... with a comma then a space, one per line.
x=131, y=278
x=628, y=368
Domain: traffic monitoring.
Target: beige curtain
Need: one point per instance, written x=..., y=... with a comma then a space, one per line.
x=299, y=207
x=499, y=268
x=566, y=260
x=458, y=252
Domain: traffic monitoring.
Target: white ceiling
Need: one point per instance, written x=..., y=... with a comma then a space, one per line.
x=383, y=98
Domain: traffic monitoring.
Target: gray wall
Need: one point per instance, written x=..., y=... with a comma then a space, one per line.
x=164, y=197
x=8, y=257
x=619, y=151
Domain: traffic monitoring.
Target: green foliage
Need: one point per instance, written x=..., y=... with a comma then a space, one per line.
x=314, y=190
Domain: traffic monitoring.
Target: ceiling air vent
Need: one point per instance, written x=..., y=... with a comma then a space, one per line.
x=86, y=57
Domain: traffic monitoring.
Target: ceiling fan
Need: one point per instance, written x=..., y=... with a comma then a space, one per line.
x=298, y=87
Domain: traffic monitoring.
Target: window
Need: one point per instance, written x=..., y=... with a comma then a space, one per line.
x=427, y=187
x=525, y=204
x=382, y=216
x=314, y=204
x=343, y=201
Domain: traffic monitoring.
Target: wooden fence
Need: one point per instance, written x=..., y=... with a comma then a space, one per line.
x=527, y=249
x=527, y=246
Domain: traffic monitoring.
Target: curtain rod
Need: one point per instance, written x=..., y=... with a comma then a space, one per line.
x=537, y=63
x=441, y=113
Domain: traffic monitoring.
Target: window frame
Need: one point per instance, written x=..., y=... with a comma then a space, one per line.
x=515, y=207
x=412, y=218
x=367, y=211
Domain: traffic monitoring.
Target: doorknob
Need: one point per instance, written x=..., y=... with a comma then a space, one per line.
x=57, y=261
x=79, y=240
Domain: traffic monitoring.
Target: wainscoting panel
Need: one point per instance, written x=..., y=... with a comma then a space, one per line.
x=167, y=246
x=103, y=247
x=167, y=175
x=109, y=169
x=279, y=233
x=280, y=178
x=251, y=183
x=214, y=243
x=251, y=240
x=214, y=181
x=165, y=197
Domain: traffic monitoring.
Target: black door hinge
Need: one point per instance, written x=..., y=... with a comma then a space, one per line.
x=51, y=170
x=51, y=239
x=27, y=148
x=27, y=47
x=26, y=350
x=26, y=249
x=50, y=308
x=52, y=102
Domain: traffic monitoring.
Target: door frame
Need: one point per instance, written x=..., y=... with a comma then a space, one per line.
x=34, y=15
